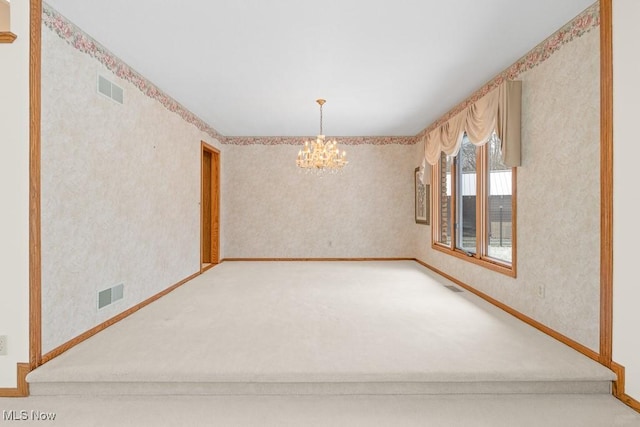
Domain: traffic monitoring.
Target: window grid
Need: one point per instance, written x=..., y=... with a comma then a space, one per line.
x=490, y=235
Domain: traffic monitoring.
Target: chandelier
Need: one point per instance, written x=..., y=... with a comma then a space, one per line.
x=319, y=156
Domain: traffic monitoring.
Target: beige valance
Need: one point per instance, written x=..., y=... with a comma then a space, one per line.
x=498, y=111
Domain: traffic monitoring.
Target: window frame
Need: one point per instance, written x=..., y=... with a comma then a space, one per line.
x=481, y=256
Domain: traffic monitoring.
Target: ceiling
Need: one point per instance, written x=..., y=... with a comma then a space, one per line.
x=255, y=67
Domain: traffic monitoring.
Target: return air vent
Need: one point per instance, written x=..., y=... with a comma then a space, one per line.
x=453, y=288
x=110, y=295
x=111, y=90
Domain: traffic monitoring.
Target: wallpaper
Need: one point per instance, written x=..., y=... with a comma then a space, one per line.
x=558, y=210
x=120, y=194
x=270, y=209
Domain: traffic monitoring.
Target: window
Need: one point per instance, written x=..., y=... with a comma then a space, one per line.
x=474, y=203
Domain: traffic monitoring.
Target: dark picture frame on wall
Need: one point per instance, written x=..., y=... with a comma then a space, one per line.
x=421, y=199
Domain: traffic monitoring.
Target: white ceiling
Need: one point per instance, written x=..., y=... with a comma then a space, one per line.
x=255, y=67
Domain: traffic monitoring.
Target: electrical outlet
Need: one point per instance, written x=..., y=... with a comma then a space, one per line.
x=3, y=345
x=540, y=290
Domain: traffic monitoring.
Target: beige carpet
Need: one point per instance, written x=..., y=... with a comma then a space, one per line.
x=357, y=332
x=327, y=411
x=319, y=328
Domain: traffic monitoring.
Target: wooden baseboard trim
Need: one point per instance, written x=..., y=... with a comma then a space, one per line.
x=77, y=340
x=630, y=402
x=207, y=267
x=317, y=259
x=22, y=390
x=618, y=384
x=619, y=387
x=541, y=327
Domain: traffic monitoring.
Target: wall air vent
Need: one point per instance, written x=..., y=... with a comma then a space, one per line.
x=111, y=90
x=108, y=296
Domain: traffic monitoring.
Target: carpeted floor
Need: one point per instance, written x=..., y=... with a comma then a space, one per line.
x=326, y=411
x=333, y=343
x=319, y=322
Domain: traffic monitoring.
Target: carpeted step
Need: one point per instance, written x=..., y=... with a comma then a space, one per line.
x=114, y=388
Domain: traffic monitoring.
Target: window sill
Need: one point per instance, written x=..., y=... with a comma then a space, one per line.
x=482, y=262
x=7, y=37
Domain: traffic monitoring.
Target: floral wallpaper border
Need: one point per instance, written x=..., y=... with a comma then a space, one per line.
x=344, y=140
x=77, y=38
x=581, y=24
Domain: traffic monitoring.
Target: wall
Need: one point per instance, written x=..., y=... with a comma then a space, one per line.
x=558, y=204
x=14, y=193
x=271, y=210
x=5, y=15
x=626, y=92
x=120, y=191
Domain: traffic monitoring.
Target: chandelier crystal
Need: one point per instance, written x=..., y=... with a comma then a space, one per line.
x=321, y=156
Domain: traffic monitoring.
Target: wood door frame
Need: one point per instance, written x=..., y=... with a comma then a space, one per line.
x=215, y=203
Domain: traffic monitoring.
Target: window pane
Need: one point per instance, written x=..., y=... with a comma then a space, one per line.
x=466, y=194
x=499, y=215
x=444, y=185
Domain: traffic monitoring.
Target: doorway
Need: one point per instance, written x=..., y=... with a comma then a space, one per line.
x=210, y=208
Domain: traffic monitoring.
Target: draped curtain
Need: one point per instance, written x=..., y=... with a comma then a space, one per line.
x=498, y=111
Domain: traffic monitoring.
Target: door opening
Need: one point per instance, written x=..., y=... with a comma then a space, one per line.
x=210, y=208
